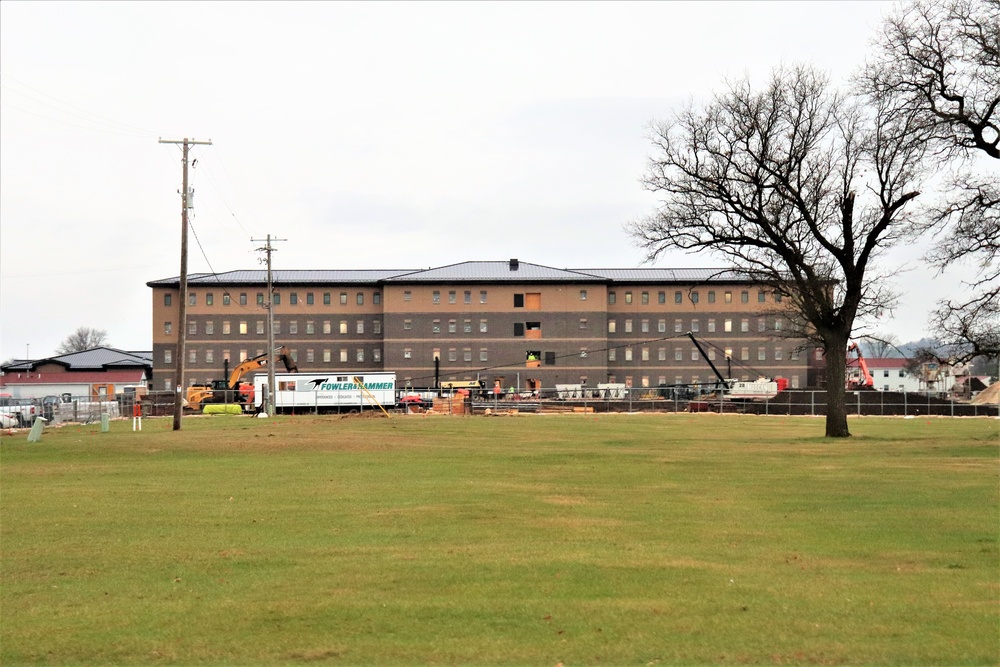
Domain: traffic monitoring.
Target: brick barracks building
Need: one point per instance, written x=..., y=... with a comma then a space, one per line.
x=517, y=323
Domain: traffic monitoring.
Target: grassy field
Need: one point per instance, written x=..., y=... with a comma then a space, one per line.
x=530, y=540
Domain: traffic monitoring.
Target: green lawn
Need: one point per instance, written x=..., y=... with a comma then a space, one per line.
x=529, y=540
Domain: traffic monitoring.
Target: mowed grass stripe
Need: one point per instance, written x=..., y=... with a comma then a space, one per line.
x=619, y=539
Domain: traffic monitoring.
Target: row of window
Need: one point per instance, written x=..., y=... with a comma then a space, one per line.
x=326, y=326
x=326, y=355
x=243, y=327
x=627, y=354
x=293, y=298
x=661, y=325
x=519, y=299
x=693, y=295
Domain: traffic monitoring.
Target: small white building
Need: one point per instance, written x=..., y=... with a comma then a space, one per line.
x=893, y=374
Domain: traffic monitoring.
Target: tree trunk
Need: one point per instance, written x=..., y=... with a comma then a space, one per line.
x=836, y=394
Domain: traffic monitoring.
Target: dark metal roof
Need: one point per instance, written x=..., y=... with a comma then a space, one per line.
x=97, y=358
x=501, y=271
x=507, y=271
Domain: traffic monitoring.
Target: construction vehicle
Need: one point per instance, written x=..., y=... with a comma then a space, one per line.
x=233, y=390
x=859, y=377
x=764, y=388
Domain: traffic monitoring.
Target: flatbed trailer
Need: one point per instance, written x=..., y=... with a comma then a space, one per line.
x=327, y=392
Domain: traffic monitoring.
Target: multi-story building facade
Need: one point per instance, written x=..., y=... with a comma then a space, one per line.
x=515, y=323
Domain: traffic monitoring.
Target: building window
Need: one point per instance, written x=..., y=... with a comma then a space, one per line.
x=711, y=326
x=243, y=327
x=745, y=325
x=678, y=297
x=327, y=357
x=761, y=324
x=694, y=354
x=661, y=297
x=628, y=326
x=407, y=325
x=777, y=354
x=260, y=327
x=583, y=323
x=407, y=353
x=467, y=326
x=483, y=354
x=376, y=298
x=678, y=354
x=209, y=327
x=612, y=297
x=377, y=326
x=343, y=327
x=645, y=297
x=326, y=301
x=193, y=299
x=343, y=298
x=483, y=326
x=744, y=297
x=243, y=298
x=293, y=299
x=360, y=298
x=168, y=328
x=276, y=298
x=436, y=326
x=612, y=326
x=260, y=298
x=310, y=300
x=611, y=354
x=645, y=354
x=360, y=327
x=661, y=326
x=695, y=326
x=407, y=296
x=761, y=354
x=518, y=329
x=727, y=297
x=327, y=327
x=310, y=356
x=452, y=296
x=226, y=299
x=761, y=296
x=167, y=299
x=727, y=325
x=519, y=301
x=583, y=295
x=628, y=354
x=435, y=296
x=225, y=328
x=343, y=355
x=482, y=296
x=209, y=356
x=628, y=297
x=452, y=354
x=777, y=324
x=277, y=326
x=377, y=355
x=467, y=296
x=777, y=297
x=360, y=355
x=678, y=326
x=293, y=327
x=168, y=356
x=661, y=354
x=711, y=296
x=310, y=327
x=452, y=326
x=745, y=353
x=694, y=297
x=467, y=354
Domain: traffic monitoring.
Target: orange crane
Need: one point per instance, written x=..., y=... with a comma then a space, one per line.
x=862, y=379
x=233, y=390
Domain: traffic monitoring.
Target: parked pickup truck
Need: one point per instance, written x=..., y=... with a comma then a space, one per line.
x=17, y=412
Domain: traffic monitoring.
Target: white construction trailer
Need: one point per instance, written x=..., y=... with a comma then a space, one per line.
x=327, y=392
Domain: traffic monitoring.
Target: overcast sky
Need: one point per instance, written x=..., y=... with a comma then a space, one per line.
x=373, y=135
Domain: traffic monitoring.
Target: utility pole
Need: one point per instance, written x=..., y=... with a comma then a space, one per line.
x=267, y=250
x=187, y=201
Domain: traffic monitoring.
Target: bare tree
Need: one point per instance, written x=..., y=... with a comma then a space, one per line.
x=800, y=187
x=940, y=62
x=82, y=339
x=881, y=345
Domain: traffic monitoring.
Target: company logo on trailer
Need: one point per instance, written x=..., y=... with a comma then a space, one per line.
x=316, y=383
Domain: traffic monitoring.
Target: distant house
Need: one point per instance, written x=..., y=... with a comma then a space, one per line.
x=894, y=374
x=101, y=372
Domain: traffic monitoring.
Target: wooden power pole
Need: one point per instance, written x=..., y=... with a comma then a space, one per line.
x=187, y=202
x=268, y=249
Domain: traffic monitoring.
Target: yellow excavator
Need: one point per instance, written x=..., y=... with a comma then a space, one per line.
x=233, y=390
